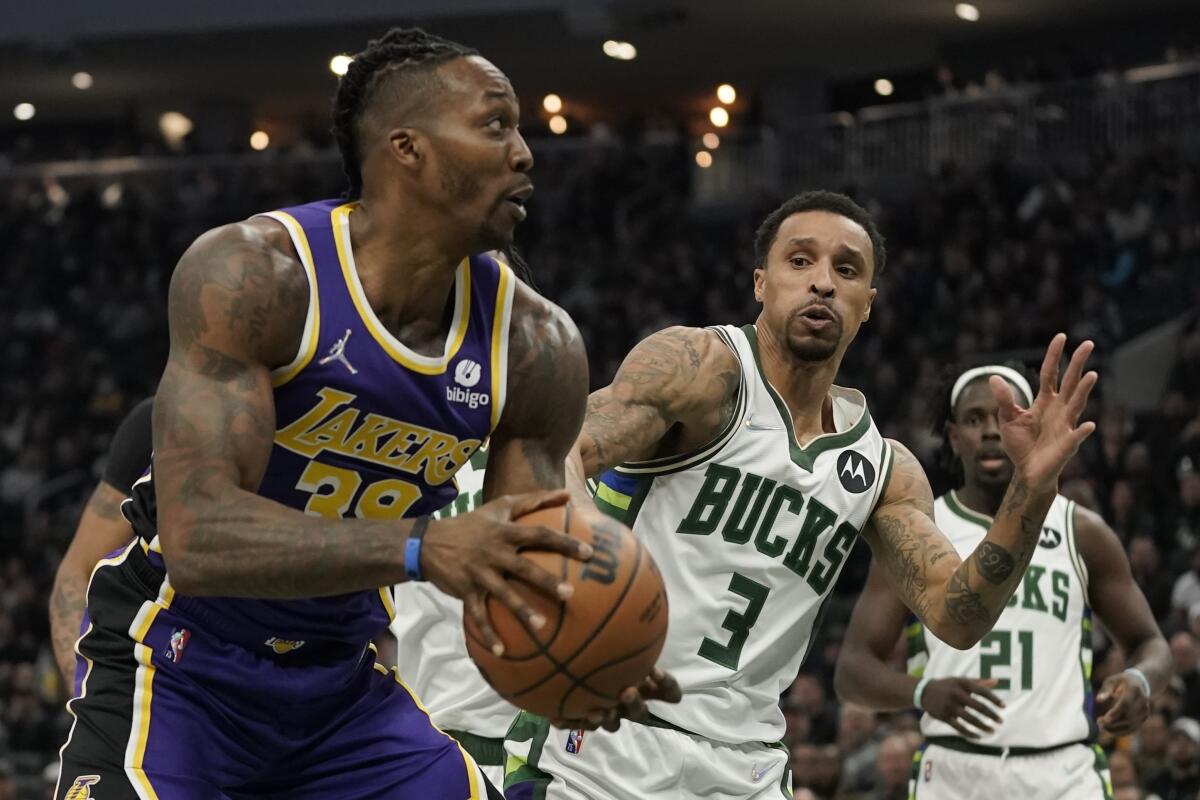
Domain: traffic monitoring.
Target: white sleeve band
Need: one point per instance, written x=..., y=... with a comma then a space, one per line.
x=920, y=690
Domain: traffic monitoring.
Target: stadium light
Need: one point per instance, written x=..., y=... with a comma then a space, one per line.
x=621, y=51
x=552, y=103
x=884, y=88
x=339, y=64
x=82, y=81
x=967, y=12
x=726, y=93
x=711, y=140
x=174, y=126
x=718, y=116
x=259, y=140
x=704, y=159
x=558, y=124
x=24, y=111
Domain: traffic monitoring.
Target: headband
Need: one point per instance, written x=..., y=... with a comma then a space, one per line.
x=1008, y=373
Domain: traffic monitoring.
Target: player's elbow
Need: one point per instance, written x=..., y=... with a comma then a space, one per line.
x=960, y=637
x=181, y=551
x=183, y=567
x=847, y=674
x=843, y=682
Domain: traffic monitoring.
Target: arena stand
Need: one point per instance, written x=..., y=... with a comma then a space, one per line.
x=994, y=249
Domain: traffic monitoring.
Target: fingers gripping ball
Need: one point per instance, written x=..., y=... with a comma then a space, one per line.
x=605, y=638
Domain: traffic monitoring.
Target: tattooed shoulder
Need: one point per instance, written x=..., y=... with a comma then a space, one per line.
x=241, y=284
x=547, y=371
x=908, y=483
x=105, y=501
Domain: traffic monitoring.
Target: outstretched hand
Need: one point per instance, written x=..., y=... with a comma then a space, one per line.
x=1041, y=439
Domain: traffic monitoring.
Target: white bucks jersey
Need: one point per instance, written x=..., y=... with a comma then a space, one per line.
x=1040, y=650
x=750, y=534
x=431, y=649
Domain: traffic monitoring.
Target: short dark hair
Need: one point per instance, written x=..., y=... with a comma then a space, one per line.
x=400, y=50
x=819, y=200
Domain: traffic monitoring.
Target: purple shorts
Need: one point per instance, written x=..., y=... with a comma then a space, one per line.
x=167, y=710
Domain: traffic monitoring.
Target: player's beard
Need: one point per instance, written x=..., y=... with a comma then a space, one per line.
x=810, y=346
x=463, y=190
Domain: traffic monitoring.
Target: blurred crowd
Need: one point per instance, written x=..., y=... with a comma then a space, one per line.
x=989, y=261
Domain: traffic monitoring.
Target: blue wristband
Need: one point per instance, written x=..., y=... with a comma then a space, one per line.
x=412, y=548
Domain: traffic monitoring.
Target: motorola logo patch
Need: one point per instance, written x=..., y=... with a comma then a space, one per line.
x=1050, y=538
x=855, y=472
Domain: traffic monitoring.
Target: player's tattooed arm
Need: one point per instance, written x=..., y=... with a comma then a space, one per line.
x=959, y=602
x=674, y=392
x=237, y=306
x=101, y=530
x=546, y=396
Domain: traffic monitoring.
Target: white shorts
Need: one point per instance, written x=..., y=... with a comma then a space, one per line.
x=1074, y=772
x=638, y=762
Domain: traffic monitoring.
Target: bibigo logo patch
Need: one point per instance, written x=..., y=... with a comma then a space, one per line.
x=467, y=373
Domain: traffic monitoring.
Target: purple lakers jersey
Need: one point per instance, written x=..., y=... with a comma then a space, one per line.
x=365, y=427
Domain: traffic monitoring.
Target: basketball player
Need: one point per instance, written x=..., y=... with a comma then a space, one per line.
x=100, y=531
x=1011, y=716
x=749, y=476
x=331, y=366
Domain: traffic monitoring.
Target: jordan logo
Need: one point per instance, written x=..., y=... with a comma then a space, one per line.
x=855, y=472
x=338, y=353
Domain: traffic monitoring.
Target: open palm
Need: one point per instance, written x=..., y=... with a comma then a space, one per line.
x=1041, y=439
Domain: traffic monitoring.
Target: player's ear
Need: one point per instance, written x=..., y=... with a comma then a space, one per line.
x=760, y=278
x=870, y=301
x=405, y=145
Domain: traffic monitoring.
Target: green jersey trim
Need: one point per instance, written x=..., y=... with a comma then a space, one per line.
x=486, y=751
x=955, y=505
x=678, y=463
x=530, y=728
x=805, y=457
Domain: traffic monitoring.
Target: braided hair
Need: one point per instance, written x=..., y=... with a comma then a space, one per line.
x=941, y=414
x=400, y=51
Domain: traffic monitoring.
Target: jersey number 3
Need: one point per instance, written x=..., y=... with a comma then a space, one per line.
x=728, y=654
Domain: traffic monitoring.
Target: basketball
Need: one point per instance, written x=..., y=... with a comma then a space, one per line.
x=604, y=639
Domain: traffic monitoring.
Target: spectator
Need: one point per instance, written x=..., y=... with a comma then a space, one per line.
x=1128, y=793
x=1186, y=592
x=856, y=740
x=1180, y=780
x=1185, y=657
x=1150, y=745
x=1187, y=511
x=1145, y=562
x=8, y=787
x=809, y=698
x=1121, y=768
x=893, y=768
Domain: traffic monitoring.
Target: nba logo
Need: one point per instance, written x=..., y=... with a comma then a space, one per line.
x=575, y=741
x=928, y=771
x=179, y=640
